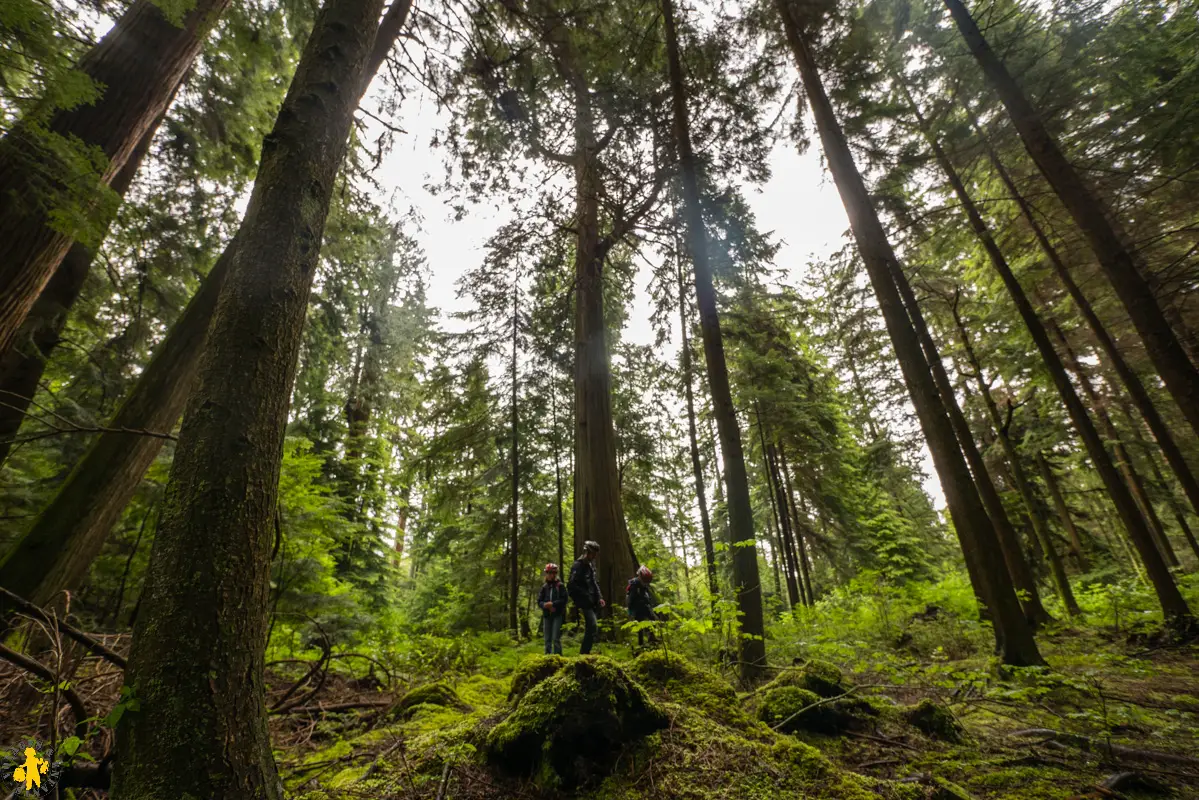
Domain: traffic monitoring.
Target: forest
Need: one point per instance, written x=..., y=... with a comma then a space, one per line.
x=304, y=495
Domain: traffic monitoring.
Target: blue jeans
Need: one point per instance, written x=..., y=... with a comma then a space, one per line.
x=590, y=629
x=553, y=633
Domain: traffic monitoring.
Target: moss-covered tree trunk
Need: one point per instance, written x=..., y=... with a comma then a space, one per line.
x=1013, y=635
x=196, y=665
x=22, y=366
x=1093, y=219
x=746, y=582
x=138, y=65
x=57, y=550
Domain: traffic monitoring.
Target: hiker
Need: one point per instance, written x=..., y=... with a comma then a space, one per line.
x=552, y=600
x=641, y=602
x=584, y=591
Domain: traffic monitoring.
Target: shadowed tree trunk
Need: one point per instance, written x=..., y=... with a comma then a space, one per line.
x=801, y=551
x=794, y=590
x=1013, y=635
x=514, y=543
x=137, y=66
x=746, y=583
x=199, y=644
x=22, y=367
x=57, y=550
x=1009, y=542
x=1092, y=218
x=1063, y=510
x=1019, y=476
x=1123, y=458
x=697, y=469
x=1132, y=382
x=557, y=476
x=1053, y=363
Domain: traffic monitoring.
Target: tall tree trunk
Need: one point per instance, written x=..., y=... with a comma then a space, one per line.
x=198, y=646
x=57, y=550
x=514, y=544
x=794, y=587
x=22, y=367
x=1063, y=510
x=1053, y=363
x=1089, y=213
x=1014, y=638
x=1009, y=541
x=1132, y=382
x=1123, y=458
x=801, y=552
x=599, y=512
x=697, y=469
x=557, y=474
x=777, y=545
x=742, y=543
x=1176, y=507
x=138, y=65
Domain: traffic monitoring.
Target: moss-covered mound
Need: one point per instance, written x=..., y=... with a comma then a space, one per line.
x=935, y=721
x=570, y=728
x=673, y=678
x=821, y=677
x=431, y=694
x=533, y=671
x=791, y=709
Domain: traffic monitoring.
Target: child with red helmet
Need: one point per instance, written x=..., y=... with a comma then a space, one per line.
x=641, y=601
x=552, y=600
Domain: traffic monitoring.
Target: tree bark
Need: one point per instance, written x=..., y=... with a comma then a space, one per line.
x=746, y=583
x=60, y=546
x=138, y=65
x=1014, y=638
x=983, y=234
x=1019, y=477
x=1132, y=382
x=514, y=542
x=1092, y=218
x=1123, y=458
x=1063, y=510
x=801, y=552
x=22, y=367
x=198, y=646
x=697, y=469
x=1009, y=542
x=794, y=588
x=557, y=475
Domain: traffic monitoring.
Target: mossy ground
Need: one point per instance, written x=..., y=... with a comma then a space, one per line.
x=713, y=744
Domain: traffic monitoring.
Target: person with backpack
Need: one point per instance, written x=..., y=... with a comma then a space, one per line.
x=583, y=588
x=641, y=602
x=552, y=601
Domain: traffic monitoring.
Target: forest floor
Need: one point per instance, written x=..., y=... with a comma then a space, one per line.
x=1112, y=719
x=481, y=718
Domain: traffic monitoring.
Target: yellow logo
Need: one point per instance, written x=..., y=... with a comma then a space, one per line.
x=30, y=773
x=25, y=766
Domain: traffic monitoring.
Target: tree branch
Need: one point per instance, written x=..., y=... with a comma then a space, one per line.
x=88, y=642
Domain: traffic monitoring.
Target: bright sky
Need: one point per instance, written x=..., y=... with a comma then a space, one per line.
x=799, y=207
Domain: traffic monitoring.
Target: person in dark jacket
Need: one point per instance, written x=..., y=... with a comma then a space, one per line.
x=552, y=600
x=641, y=602
x=584, y=590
